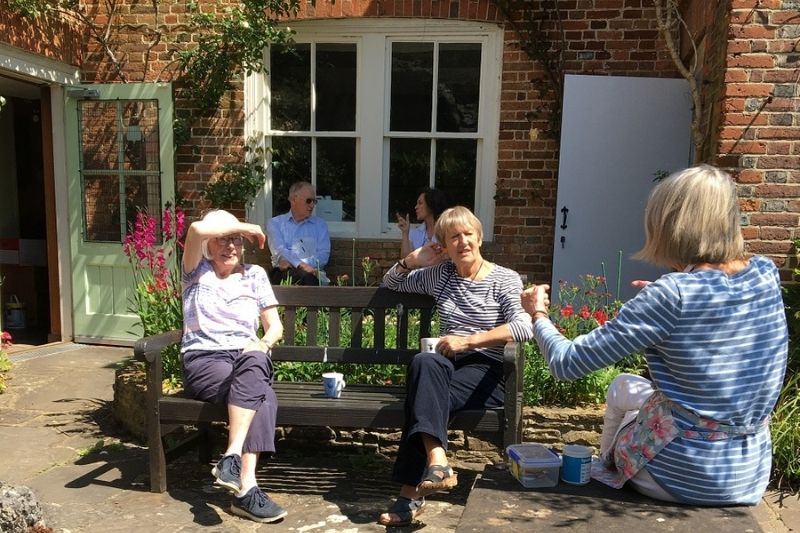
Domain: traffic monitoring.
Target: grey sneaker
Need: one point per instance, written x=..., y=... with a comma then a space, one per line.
x=257, y=506
x=228, y=472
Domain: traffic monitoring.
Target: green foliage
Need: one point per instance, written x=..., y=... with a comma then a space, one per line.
x=582, y=308
x=231, y=45
x=101, y=446
x=240, y=182
x=785, y=423
x=785, y=429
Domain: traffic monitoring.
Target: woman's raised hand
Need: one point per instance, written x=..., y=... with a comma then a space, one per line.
x=403, y=223
x=429, y=254
x=253, y=233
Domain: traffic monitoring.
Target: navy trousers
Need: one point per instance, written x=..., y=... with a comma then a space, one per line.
x=240, y=379
x=436, y=388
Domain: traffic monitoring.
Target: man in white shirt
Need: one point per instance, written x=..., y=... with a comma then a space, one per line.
x=298, y=240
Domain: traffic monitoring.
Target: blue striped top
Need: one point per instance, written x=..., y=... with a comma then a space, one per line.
x=715, y=344
x=465, y=306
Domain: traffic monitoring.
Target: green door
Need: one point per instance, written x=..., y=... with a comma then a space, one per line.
x=120, y=160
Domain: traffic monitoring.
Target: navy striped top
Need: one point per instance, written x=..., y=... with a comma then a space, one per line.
x=465, y=306
x=715, y=344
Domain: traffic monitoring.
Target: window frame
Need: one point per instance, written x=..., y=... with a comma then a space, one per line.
x=373, y=38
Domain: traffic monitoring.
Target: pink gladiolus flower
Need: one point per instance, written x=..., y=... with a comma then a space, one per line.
x=179, y=222
x=584, y=312
x=166, y=223
x=567, y=311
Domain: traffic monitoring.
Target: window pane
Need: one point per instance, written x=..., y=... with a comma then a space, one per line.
x=412, y=82
x=336, y=178
x=455, y=170
x=140, y=135
x=458, y=87
x=409, y=171
x=291, y=162
x=101, y=208
x=336, y=87
x=99, y=135
x=290, y=87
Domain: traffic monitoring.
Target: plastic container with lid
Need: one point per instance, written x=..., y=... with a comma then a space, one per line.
x=533, y=465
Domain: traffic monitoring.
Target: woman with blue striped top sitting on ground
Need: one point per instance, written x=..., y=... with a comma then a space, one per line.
x=714, y=336
x=480, y=311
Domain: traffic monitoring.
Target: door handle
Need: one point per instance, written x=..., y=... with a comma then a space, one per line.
x=564, y=212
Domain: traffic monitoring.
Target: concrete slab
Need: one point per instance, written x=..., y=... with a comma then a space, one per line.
x=499, y=502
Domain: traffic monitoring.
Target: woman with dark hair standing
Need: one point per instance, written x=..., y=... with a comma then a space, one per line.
x=430, y=204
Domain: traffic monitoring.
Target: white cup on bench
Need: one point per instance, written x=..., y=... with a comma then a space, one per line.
x=428, y=344
x=334, y=383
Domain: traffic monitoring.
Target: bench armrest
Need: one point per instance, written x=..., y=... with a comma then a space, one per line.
x=148, y=349
x=513, y=371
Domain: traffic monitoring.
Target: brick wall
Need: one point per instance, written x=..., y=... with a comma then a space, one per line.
x=750, y=88
x=56, y=40
x=603, y=37
x=759, y=138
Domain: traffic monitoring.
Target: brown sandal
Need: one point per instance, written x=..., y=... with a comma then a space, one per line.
x=437, y=478
x=405, y=509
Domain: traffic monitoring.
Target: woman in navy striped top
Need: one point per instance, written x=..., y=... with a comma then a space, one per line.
x=715, y=339
x=480, y=311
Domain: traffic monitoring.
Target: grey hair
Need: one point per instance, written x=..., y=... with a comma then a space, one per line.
x=456, y=217
x=299, y=186
x=693, y=217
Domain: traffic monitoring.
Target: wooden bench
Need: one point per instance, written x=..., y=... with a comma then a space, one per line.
x=303, y=404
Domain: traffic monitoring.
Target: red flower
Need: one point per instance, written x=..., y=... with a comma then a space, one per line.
x=567, y=311
x=584, y=312
x=601, y=317
x=6, y=340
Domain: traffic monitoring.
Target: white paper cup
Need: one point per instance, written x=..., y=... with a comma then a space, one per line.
x=428, y=344
x=333, y=383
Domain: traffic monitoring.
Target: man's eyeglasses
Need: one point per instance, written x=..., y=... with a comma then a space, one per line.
x=235, y=240
x=311, y=201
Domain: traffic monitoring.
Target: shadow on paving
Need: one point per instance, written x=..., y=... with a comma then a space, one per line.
x=358, y=485
x=499, y=501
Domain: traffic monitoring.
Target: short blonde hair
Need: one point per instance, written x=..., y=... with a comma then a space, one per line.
x=693, y=217
x=456, y=217
x=216, y=216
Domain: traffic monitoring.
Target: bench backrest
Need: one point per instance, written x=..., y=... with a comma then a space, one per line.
x=331, y=309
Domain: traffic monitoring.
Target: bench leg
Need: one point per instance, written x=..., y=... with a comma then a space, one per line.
x=205, y=444
x=157, y=459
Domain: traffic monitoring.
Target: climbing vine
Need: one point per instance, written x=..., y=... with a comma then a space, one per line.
x=541, y=37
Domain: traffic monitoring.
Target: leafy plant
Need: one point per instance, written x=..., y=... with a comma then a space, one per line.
x=240, y=182
x=153, y=255
x=785, y=429
x=582, y=307
x=231, y=45
x=5, y=362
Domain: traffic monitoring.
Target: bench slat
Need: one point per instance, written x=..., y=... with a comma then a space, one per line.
x=289, y=318
x=312, y=317
x=334, y=321
x=357, y=328
x=316, y=354
x=303, y=404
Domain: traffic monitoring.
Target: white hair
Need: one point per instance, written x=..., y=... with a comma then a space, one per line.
x=217, y=216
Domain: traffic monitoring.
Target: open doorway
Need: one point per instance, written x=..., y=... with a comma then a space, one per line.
x=25, y=291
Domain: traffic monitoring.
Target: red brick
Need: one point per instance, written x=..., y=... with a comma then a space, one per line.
x=752, y=61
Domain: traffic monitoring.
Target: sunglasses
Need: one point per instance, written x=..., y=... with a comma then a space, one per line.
x=235, y=240
x=311, y=201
